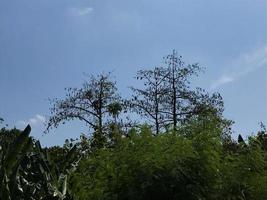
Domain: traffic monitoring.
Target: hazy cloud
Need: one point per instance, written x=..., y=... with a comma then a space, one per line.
x=243, y=65
x=34, y=121
x=81, y=11
x=221, y=81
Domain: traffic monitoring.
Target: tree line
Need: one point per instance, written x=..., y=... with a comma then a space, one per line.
x=165, y=100
x=178, y=147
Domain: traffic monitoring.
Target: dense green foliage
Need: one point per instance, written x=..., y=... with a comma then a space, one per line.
x=174, y=165
x=197, y=161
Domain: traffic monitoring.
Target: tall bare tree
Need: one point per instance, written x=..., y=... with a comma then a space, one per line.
x=148, y=102
x=183, y=101
x=167, y=98
x=93, y=104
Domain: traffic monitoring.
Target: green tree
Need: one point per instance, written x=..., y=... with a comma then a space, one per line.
x=144, y=166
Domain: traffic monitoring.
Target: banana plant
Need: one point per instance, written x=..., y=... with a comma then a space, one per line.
x=26, y=171
x=11, y=156
x=54, y=179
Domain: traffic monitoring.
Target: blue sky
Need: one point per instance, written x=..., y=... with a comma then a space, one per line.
x=47, y=45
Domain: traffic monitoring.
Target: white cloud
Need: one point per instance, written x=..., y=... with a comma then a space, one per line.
x=243, y=65
x=40, y=118
x=33, y=121
x=221, y=81
x=81, y=11
x=37, y=120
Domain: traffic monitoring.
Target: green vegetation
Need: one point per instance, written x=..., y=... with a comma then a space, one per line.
x=26, y=170
x=180, y=146
x=173, y=166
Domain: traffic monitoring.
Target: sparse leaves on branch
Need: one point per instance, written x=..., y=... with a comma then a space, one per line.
x=167, y=98
x=93, y=104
